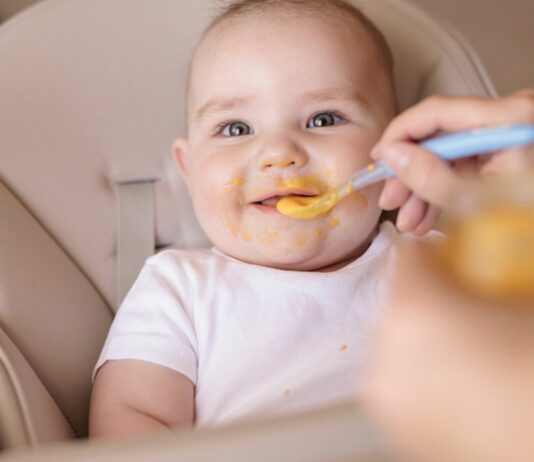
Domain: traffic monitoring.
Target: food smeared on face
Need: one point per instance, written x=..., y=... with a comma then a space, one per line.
x=359, y=198
x=318, y=233
x=232, y=229
x=273, y=233
x=237, y=232
x=234, y=183
x=308, y=182
x=334, y=222
x=302, y=239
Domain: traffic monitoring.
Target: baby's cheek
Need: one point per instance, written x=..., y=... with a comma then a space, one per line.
x=219, y=220
x=371, y=194
x=356, y=205
x=221, y=204
x=358, y=213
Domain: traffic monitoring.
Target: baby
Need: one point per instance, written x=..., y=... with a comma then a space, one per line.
x=286, y=97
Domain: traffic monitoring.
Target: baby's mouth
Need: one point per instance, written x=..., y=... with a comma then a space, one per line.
x=270, y=202
x=273, y=199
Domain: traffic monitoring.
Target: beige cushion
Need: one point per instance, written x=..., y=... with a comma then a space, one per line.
x=92, y=93
x=9, y=8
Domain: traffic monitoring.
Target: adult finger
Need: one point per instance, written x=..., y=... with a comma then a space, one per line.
x=394, y=194
x=449, y=114
x=428, y=176
x=411, y=214
x=511, y=161
x=428, y=221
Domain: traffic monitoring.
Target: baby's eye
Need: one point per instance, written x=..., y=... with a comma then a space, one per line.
x=235, y=129
x=324, y=119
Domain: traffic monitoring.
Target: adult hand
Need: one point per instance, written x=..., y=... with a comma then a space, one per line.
x=424, y=183
x=451, y=377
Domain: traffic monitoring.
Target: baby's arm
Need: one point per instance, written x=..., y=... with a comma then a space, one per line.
x=137, y=397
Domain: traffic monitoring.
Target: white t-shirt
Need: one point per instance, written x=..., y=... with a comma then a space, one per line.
x=255, y=341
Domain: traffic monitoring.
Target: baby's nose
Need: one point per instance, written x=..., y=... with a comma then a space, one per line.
x=282, y=154
x=280, y=163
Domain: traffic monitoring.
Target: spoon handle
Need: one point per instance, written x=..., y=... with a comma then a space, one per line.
x=455, y=146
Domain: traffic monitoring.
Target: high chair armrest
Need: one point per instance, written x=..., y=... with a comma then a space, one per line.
x=339, y=433
x=30, y=414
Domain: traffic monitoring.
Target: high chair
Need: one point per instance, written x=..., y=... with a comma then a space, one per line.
x=91, y=98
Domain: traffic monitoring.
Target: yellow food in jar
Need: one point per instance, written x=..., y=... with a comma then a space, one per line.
x=492, y=252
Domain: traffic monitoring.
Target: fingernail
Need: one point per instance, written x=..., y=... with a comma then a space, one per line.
x=395, y=157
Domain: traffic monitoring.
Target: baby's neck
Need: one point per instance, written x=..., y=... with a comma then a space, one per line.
x=353, y=256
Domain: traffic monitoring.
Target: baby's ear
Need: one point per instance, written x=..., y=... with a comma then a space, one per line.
x=180, y=151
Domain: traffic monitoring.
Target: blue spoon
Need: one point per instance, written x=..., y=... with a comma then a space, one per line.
x=448, y=147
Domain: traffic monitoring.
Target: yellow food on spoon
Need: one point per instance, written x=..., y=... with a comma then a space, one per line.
x=307, y=208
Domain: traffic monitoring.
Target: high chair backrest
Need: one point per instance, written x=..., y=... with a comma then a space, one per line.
x=91, y=98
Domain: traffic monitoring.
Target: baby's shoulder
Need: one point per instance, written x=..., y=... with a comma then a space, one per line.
x=175, y=254
x=191, y=274
x=175, y=258
x=205, y=262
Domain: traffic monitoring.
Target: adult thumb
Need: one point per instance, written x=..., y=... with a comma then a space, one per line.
x=425, y=174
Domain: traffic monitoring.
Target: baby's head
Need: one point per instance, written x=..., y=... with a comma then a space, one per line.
x=286, y=97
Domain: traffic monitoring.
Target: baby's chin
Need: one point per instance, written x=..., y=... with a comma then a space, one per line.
x=301, y=258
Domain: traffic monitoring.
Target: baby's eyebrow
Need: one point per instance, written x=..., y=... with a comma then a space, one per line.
x=222, y=104
x=336, y=94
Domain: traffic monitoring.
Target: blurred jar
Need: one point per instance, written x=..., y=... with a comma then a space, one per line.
x=489, y=248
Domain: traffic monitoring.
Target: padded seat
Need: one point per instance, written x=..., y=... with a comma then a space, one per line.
x=92, y=96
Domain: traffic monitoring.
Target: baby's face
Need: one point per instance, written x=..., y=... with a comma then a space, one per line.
x=275, y=110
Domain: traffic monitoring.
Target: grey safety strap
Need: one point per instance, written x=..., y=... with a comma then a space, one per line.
x=136, y=232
